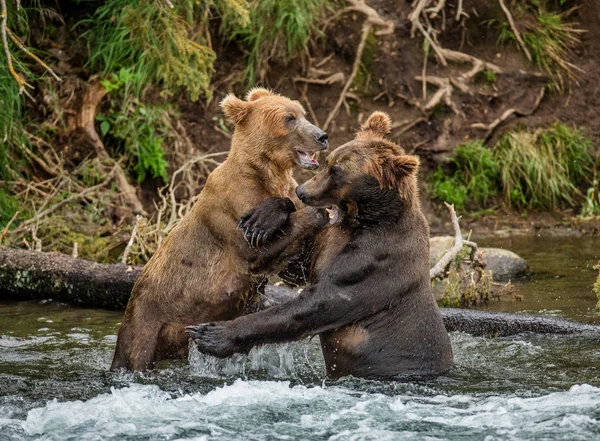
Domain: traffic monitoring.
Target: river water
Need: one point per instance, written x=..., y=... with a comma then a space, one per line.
x=54, y=383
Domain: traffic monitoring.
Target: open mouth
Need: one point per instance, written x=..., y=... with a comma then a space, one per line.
x=334, y=214
x=308, y=161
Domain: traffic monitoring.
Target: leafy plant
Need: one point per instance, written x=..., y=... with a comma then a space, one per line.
x=9, y=205
x=489, y=76
x=138, y=128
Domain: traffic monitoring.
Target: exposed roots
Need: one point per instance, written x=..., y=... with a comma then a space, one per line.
x=443, y=94
x=372, y=19
x=86, y=122
x=361, y=46
x=507, y=114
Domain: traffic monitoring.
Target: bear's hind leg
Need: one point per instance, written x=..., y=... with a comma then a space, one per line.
x=172, y=342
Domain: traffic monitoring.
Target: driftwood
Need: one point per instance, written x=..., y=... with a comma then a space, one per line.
x=36, y=275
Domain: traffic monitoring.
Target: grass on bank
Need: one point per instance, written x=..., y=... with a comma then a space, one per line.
x=549, y=38
x=278, y=31
x=540, y=169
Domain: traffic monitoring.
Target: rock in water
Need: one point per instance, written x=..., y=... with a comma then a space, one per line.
x=503, y=263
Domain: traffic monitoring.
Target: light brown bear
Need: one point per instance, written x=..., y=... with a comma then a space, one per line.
x=205, y=270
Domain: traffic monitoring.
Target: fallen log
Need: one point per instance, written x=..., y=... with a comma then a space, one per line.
x=36, y=275
x=501, y=324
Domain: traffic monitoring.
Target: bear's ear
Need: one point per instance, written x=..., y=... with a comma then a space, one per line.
x=234, y=108
x=377, y=125
x=258, y=92
x=406, y=165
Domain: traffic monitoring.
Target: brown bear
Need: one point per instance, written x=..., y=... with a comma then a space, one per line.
x=205, y=269
x=370, y=297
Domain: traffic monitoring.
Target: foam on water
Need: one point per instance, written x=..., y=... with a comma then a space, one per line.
x=278, y=410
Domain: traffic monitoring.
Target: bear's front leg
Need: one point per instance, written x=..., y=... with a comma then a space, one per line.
x=264, y=221
x=217, y=339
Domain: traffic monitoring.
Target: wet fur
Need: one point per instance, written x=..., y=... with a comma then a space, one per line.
x=370, y=297
x=205, y=270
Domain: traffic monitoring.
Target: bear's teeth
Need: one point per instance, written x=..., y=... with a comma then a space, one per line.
x=313, y=156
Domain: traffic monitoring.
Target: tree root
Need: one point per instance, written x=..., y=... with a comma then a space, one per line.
x=331, y=79
x=440, y=267
x=372, y=18
x=507, y=114
x=86, y=122
x=361, y=46
x=444, y=93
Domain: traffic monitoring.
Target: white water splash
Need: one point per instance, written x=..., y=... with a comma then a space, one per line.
x=276, y=410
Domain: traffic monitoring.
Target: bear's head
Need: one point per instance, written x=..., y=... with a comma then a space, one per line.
x=272, y=127
x=368, y=174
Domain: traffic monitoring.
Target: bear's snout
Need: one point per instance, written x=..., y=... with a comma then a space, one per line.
x=321, y=138
x=301, y=193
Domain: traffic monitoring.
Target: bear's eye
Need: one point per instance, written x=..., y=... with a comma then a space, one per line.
x=290, y=118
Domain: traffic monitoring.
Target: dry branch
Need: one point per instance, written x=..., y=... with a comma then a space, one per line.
x=440, y=266
x=134, y=232
x=32, y=55
x=73, y=197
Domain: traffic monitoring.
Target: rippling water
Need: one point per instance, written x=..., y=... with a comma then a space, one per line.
x=54, y=385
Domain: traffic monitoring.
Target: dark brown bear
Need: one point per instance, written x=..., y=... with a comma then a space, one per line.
x=370, y=299
x=205, y=269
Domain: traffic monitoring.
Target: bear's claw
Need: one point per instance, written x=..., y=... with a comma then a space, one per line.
x=213, y=339
x=261, y=223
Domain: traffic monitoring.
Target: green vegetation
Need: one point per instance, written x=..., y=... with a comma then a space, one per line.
x=138, y=128
x=278, y=31
x=543, y=168
x=9, y=205
x=591, y=205
x=489, y=76
x=474, y=177
x=549, y=42
x=157, y=43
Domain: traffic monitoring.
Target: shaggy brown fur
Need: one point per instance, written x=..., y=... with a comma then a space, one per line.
x=205, y=270
x=370, y=296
